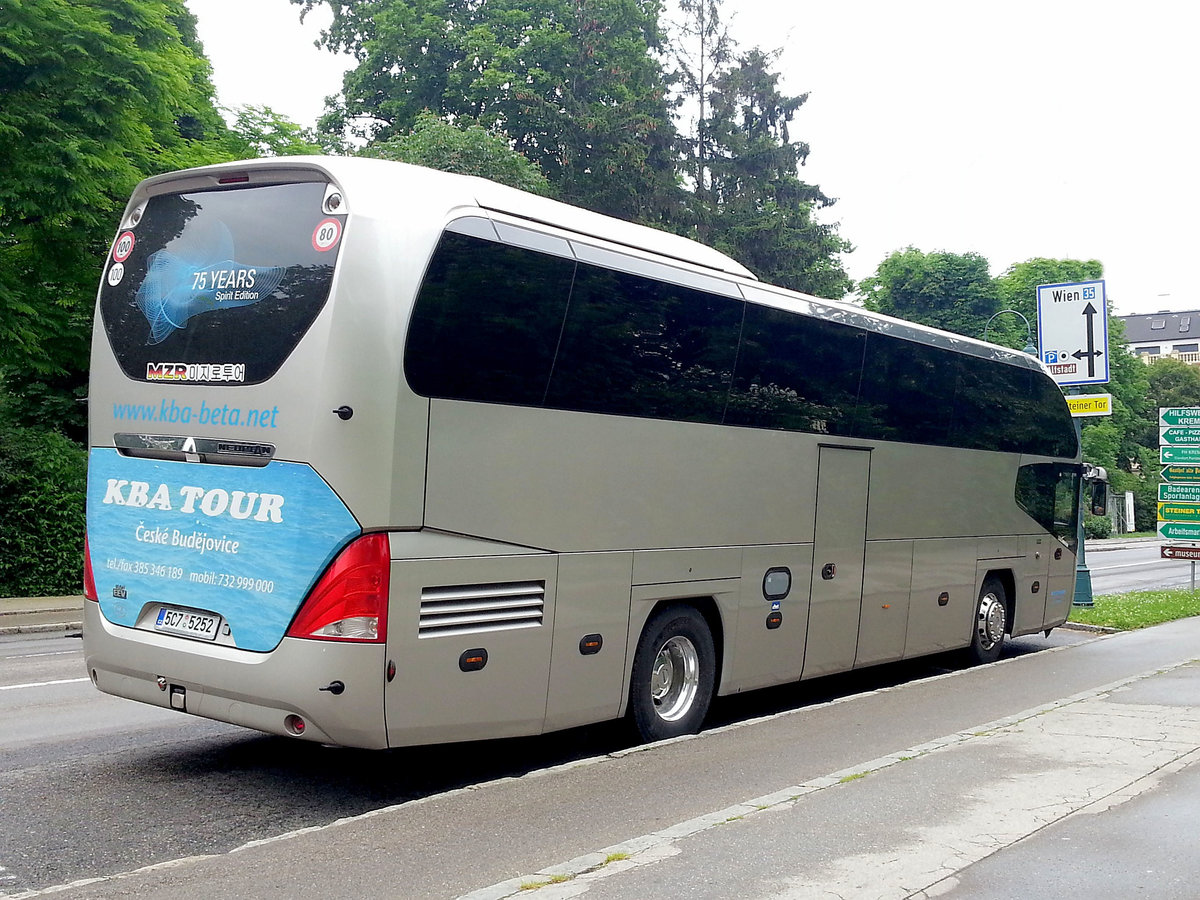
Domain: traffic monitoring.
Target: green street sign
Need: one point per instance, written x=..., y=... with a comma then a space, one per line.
x=1179, y=493
x=1179, y=415
x=1179, y=455
x=1180, y=475
x=1178, y=435
x=1179, y=512
x=1179, y=531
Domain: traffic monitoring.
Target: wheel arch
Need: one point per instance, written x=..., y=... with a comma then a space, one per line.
x=705, y=604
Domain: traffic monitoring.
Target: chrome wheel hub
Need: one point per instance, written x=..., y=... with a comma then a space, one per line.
x=991, y=622
x=675, y=678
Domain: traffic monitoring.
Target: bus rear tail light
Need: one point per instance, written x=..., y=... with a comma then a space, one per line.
x=89, y=580
x=349, y=602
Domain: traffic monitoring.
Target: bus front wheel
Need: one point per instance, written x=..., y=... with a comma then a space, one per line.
x=991, y=622
x=674, y=672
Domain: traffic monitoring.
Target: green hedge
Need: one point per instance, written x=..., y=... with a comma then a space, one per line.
x=42, y=482
x=1097, y=526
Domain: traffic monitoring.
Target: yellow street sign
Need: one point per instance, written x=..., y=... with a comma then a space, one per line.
x=1090, y=404
x=1179, y=512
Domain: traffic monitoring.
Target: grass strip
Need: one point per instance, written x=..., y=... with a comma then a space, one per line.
x=1138, y=609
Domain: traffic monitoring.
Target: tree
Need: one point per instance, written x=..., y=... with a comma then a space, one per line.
x=96, y=96
x=742, y=165
x=573, y=83
x=702, y=50
x=260, y=131
x=951, y=291
x=1018, y=285
x=469, y=150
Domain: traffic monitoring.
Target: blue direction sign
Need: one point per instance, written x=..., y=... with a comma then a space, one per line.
x=1179, y=531
x=1176, y=435
x=1179, y=455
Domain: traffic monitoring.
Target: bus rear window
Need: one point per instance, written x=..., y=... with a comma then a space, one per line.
x=218, y=286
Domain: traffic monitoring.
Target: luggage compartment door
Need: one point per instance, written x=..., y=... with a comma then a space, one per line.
x=839, y=548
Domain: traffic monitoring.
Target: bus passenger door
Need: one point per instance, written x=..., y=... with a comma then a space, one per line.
x=839, y=545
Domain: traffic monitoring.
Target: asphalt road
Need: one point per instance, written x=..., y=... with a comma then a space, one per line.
x=884, y=784
x=93, y=785
x=1134, y=567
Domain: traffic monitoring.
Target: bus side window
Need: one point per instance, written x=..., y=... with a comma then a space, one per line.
x=486, y=322
x=1049, y=492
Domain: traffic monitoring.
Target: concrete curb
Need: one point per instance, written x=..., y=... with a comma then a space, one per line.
x=40, y=615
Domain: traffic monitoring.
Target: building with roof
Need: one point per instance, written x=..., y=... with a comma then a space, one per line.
x=1164, y=334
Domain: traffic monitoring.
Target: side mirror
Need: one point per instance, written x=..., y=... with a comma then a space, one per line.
x=1099, y=501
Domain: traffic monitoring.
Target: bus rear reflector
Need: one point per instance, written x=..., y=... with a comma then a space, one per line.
x=349, y=602
x=89, y=580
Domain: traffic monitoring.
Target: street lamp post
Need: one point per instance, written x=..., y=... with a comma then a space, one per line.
x=1030, y=346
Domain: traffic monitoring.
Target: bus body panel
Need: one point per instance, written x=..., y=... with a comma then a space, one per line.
x=514, y=474
x=765, y=651
x=594, y=599
x=255, y=690
x=887, y=593
x=471, y=639
x=839, y=551
x=944, y=591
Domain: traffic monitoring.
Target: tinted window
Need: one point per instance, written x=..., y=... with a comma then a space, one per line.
x=487, y=322
x=796, y=373
x=1049, y=492
x=907, y=392
x=634, y=346
x=215, y=286
x=991, y=407
x=504, y=324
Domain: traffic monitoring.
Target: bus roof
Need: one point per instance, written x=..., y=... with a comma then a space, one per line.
x=378, y=177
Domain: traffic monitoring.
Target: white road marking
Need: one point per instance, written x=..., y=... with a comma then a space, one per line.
x=37, y=684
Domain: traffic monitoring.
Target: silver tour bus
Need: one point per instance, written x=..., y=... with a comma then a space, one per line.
x=383, y=456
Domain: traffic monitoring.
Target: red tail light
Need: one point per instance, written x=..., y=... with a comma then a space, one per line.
x=89, y=580
x=350, y=601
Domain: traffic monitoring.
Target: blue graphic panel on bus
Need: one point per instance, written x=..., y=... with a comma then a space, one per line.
x=244, y=542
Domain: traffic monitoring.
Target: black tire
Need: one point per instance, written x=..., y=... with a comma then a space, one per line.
x=674, y=674
x=990, y=623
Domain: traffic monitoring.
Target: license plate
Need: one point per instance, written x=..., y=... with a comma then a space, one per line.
x=189, y=624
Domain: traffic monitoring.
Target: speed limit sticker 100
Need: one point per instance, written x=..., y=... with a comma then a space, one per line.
x=123, y=247
x=326, y=235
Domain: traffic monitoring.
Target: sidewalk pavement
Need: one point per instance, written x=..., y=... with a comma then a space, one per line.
x=38, y=615
x=1094, y=545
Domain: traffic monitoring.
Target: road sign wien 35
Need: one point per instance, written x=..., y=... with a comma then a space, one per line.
x=1073, y=331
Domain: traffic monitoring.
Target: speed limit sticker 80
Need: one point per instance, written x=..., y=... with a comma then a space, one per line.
x=326, y=235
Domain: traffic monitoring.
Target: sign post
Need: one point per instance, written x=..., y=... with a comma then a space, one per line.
x=1179, y=494
x=1072, y=324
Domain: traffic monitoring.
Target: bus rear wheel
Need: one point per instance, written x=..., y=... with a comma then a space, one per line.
x=991, y=622
x=674, y=673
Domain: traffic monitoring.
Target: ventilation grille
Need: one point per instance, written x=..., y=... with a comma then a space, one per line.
x=469, y=608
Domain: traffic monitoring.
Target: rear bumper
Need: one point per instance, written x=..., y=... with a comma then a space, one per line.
x=255, y=690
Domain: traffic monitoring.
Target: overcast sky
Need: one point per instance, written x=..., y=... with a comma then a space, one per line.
x=1016, y=129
